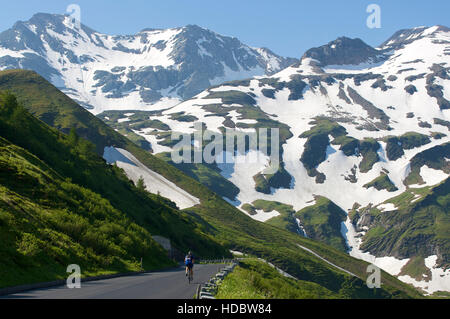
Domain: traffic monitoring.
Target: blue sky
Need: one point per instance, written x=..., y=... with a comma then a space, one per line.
x=288, y=27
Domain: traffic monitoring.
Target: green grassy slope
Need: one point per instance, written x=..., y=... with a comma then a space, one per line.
x=48, y=223
x=228, y=226
x=382, y=182
x=47, y=103
x=286, y=218
x=322, y=221
x=434, y=157
x=65, y=192
x=254, y=279
x=207, y=174
x=420, y=226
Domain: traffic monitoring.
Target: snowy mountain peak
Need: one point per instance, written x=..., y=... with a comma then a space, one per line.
x=407, y=36
x=396, y=58
x=344, y=51
x=153, y=69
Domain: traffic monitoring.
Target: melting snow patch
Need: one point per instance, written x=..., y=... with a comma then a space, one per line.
x=153, y=140
x=232, y=202
x=57, y=81
x=391, y=265
x=432, y=176
x=238, y=253
x=263, y=216
x=154, y=182
x=440, y=278
x=344, y=68
x=416, y=198
x=387, y=207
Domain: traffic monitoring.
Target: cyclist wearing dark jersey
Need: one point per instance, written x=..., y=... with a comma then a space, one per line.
x=189, y=263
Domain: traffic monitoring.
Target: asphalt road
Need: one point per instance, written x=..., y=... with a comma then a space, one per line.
x=170, y=284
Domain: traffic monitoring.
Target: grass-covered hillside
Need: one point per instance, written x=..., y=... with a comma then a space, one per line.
x=255, y=279
x=322, y=221
x=48, y=223
x=417, y=226
x=210, y=223
x=285, y=219
x=382, y=182
x=46, y=102
x=435, y=158
x=207, y=174
x=60, y=203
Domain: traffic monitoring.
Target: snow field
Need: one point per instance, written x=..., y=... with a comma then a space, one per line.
x=154, y=182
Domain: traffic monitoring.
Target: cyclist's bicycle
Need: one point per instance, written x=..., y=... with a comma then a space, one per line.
x=190, y=275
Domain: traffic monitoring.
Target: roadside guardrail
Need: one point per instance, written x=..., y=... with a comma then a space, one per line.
x=208, y=290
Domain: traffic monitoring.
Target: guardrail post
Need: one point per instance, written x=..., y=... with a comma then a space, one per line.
x=197, y=294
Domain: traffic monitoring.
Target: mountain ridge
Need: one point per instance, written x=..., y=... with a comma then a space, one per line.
x=154, y=68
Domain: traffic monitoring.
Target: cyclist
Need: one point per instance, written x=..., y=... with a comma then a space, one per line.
x=189, y=263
